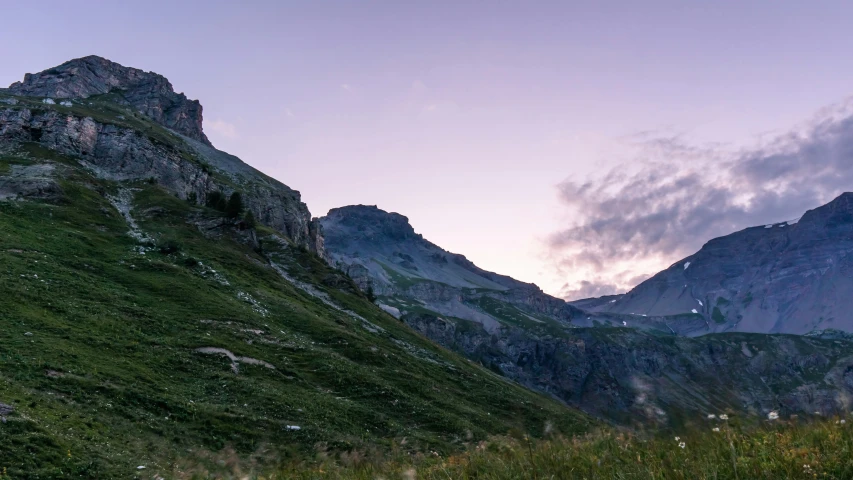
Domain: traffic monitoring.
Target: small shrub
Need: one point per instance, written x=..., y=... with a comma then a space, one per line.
x=249, y=219
x=191, y=262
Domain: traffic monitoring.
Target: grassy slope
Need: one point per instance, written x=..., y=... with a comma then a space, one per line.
x=109, y=378
x=792, y=449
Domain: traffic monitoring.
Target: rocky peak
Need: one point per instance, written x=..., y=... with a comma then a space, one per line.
x=368, y=221
x=147, y=92
x=784, y=277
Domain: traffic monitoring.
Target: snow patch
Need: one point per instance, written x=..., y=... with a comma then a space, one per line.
x=65, y=103
x=700, y=302
x=686, y=264
x=694, y=311
x=48, y=101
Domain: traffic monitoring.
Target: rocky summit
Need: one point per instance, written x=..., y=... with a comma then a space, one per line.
x=409, y=274
x=785, y=277
x=147, y=93
x=124, y=124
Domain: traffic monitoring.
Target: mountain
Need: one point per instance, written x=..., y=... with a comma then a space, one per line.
x=143, y=332
x=381, y=250
x=125, y=124
x=789, y=277
x=147, y=93
x=596, y=361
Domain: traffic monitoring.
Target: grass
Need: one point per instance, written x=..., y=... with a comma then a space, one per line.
x=98, y=336
x=792, y=449
x=401, y=281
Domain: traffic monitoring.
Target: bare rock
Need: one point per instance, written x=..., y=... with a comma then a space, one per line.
x=147, y=92
x=32, y=182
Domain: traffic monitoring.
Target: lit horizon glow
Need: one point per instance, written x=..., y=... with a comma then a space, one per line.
x=578, y=147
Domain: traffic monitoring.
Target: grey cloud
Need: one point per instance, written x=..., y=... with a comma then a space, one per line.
x=588, y=289
x=685, y=195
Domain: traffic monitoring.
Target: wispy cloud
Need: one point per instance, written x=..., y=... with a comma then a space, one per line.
x=223, y=128
x=674, y=196
x=346, y=87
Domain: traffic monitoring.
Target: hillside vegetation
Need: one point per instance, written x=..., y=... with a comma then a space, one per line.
x=723, y=449
x=149, y=341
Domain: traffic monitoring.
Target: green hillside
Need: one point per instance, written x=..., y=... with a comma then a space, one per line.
x=100, y=338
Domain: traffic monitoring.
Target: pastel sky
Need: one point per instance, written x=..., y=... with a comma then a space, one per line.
x=577, y=145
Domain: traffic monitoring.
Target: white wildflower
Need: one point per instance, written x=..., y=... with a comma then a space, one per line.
x=293, y=427
x=682, y=445
x=724, y=417
x=843, y=422
x=711, y=416
x=716, y=429
x=773, y=415
x=677, y=438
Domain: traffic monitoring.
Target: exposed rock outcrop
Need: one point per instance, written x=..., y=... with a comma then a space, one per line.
x=630, y=376
x=146, y=92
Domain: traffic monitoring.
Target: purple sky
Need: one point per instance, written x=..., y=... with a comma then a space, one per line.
x=482, y=121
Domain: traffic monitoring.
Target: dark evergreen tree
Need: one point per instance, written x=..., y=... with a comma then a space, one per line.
x=216, y=200
x=235, y=205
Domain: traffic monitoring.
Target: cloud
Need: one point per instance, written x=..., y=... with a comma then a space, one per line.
x=673, y=197
x=289, y=112
x=346, y=87
x=223, y=128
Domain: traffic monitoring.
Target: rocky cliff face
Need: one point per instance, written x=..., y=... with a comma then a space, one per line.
x=788, y=277
x=111, y=138
x=649, y=370
x=381, y=250
x=631, y=376
x=145, y=92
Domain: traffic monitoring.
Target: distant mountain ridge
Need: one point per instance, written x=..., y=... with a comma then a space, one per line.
x=788, y=277
x=381, y=250
x=621, y=366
